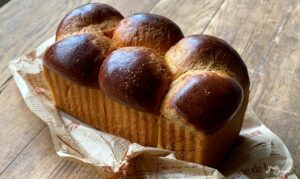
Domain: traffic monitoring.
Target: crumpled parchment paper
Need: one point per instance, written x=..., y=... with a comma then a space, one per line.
x=258, y=153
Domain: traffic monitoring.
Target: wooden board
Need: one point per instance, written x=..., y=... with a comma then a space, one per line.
x=18, y=125
x=26, y=24
x=39, y=160
x=266, y=36
x=192, y=16
x=276, y=89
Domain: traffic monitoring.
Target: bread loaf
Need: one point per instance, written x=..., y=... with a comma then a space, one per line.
x=139, y=78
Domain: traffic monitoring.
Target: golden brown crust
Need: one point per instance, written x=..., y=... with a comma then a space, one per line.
x=78, y=58
x=135, y=76
x=94, y=18
x=203, y=99
x=205, y=52
x=147, y=30
x=198, y=93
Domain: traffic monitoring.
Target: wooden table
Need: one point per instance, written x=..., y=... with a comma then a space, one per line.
x=266, y=33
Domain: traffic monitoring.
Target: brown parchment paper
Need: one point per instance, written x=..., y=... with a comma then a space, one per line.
x=258, y=153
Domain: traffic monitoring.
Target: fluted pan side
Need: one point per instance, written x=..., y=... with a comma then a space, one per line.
x=91, y=106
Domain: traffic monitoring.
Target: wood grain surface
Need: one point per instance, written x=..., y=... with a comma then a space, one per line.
x=266, y=33
x=267, y=39
x=276, y=88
